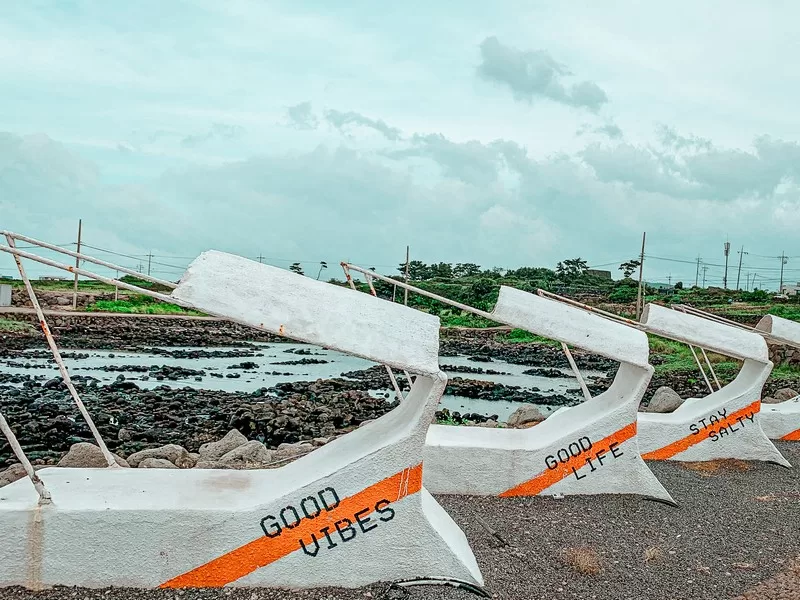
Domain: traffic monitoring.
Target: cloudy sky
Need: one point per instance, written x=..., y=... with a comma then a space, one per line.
x=508, y=133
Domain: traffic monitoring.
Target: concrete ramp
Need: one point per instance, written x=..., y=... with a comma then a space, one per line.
x=727, y=422
x=591, y=448
x=781, y=421
x=351, y=513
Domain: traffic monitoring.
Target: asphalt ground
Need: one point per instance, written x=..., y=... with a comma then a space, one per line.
x=735, y=534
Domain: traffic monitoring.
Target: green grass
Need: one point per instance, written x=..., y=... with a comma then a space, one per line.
x=786, y=372
x=676, y=356
x=458, y=318
x=140, y=304
x=12, y=326
x=520, y=336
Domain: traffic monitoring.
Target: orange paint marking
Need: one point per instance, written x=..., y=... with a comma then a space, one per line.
x=264, y=551
x=690, y=440
x=550, y=477
x=794, y=436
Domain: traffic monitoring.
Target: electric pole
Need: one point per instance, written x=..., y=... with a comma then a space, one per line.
x=260, y=258
x=747, y=285
x=405, y=297
x=739, y=272
x=77, y=265
x=705, y=268
x=697, y=272
x=149, y=258
x=641, y=267
x=669, y=279
x=725, y=277
x=784, y=260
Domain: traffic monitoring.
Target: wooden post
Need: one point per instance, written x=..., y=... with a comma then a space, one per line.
x=77, y=265
x=405, y=299
x=641, y=268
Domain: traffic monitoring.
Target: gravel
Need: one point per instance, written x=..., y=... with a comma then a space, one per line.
x=736, y=533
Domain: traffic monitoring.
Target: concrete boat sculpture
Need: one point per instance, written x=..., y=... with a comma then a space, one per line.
x=586, y=449
x=781, y=421
x=724, y=424
x=352, y=512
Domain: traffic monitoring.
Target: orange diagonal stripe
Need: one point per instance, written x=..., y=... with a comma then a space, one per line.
x=551, y=476
x=793, y=436
x=263, y=551
x=695, y=438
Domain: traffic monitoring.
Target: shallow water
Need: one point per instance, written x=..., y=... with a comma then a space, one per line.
x=262, y=376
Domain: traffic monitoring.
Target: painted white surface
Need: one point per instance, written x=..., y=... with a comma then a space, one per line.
x=780, y=420
x=745, y=439
x=482, y=461
x=143, y=528
x=565, y=323
x=705, y=333
x=298, y=307
x=5, y=294
x=784, y=330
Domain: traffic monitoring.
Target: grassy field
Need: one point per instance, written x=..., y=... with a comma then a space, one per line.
x=11, y=326
x=139, y=304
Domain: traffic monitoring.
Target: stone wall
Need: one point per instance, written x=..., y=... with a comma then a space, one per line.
x=784, y=355
x=57, y=299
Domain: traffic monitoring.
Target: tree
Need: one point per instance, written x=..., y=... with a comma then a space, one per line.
x=466, y=270
x=628, y=267
x=572, y=267
x=296, y=268
x=679, y=285
x=322, y=265
x=417, y=270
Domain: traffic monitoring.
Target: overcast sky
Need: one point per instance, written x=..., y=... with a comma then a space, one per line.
x=506, y=133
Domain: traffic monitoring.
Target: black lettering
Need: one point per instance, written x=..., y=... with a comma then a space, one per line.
x=317, y=508
x=382, y=506
x=713, y=419
x=588, y=445
x=750, y=417
x=599, y=456
x=613, y=448
x=741, y=421
x=324, y=531
x=566, y=455
x=363, y=522
x=551, y=462
x=714, y=436
x=703, y=421
x=575, y=472
x=732, y=428
x=591, y=466
x=693, y=428
x=576, y=451
x=316, y=546
x=723, y=413
x=296, y=517
x=329, y=507
x=274, y=524
x=349, y=528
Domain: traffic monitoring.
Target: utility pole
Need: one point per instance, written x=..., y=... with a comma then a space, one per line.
x=705, y=268
x=747, y=285
x=641, y=267
x=77, y=265
x=669, y=279
x=405, y=299
x=697, y=272
x=725, y=277
x=739, y=272
x=784, y=260
x=149, y=258
x=260, y=258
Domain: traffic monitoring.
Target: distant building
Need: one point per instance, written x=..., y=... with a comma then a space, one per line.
x=599, y=273
x=790, y=290
x=661, y=288
x=52, y=278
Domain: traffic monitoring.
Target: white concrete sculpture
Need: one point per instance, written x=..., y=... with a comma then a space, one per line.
x=724, y=424
x=586, y=449
x=351, y=513
x=781, y=421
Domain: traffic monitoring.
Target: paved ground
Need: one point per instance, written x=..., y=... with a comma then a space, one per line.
x=736, y=534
